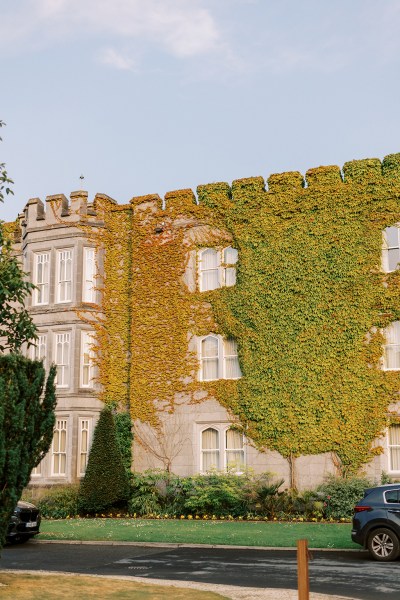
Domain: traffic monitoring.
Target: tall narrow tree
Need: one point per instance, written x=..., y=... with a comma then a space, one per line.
x=105, y=484
x=27, y=400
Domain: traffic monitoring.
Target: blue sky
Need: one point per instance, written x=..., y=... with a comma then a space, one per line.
x=147, y=96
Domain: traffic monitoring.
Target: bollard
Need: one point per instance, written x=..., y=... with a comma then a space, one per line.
x=303, y=582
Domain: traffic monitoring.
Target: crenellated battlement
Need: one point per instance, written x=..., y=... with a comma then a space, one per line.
x=58, y=209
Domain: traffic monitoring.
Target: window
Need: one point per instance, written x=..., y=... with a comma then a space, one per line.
x=394, y=447
x=234, y=450
x=40, y=348
x=209, y=450
x=390, y=249
x=59, y=448
x=392, y=496
x=64, y=275
x=391, y=349
x=221, y=442
x=218, y=359
x=231, y=361
x=84, y=441
x=216, y=268
x=89, y=275
x=230, y=257
x=86, y=359
x=62, y=358
x=41, y=278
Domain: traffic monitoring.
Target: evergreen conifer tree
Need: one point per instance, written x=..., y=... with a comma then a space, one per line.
x=105, y=484
x=27, y=404
x=123, y=426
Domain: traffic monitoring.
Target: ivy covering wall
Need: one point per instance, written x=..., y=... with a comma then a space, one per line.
x=307, y=310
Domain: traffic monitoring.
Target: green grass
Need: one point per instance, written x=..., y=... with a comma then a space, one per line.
x=244, y=533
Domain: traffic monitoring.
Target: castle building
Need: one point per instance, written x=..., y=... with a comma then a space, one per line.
x=220, y=322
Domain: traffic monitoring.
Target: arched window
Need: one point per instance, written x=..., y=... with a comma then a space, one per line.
x=391, y=249
x=218, y=359
x=391, y=348
x=216, y=268
x=210, y=454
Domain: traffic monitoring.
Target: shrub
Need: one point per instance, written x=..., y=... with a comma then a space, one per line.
x=220, y=494
x=340, y=495
x=216, y=493
x=58, y=502
x=105, y=484
x=261, y=494
x=156, y=492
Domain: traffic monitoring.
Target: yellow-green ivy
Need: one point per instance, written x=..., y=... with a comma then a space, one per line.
x=307, y=310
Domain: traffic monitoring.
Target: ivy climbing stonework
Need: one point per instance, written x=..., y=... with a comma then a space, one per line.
x=307, y=310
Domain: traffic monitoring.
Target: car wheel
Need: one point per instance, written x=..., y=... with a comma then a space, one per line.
x=383, y=544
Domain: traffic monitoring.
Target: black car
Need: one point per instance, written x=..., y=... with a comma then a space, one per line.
x=24, y=523
x=376, y=522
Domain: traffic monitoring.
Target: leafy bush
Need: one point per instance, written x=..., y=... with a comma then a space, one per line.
x=56, y=502
x=106, y=483
x=261, y=494
x=340, y=495
x=156, y=492
x=216, y=494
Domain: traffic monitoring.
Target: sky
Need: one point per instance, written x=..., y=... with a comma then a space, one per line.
x=148, y=96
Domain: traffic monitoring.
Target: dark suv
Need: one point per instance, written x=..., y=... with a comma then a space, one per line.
x=24, y=523
x=376, y=522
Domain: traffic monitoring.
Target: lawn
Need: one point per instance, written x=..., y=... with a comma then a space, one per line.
x=42, y=587
x=244, y=533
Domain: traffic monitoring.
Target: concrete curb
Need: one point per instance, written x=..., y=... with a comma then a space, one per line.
x=184, y=545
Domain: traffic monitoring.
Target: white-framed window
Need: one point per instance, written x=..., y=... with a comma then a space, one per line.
x=216, y=268
x=391, y=348
x=229, y=258
x=62, y=358
x=64, y=275
x=218, y=358
x=221, y=448
x=390, y=249
x=394, y=448
x=89, y=275
x=234, y=450
x=41, y=278
x=210, y=451
x=39, y=350
x=59, y=448
x=87, y=355
x=83, y=444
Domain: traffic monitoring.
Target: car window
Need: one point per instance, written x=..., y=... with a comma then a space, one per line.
x=392, y=496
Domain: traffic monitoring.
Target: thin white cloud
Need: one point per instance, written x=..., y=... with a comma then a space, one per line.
x=183, y=29
x=113, y=58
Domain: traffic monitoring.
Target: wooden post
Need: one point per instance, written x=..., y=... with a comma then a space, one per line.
x=303, y=582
